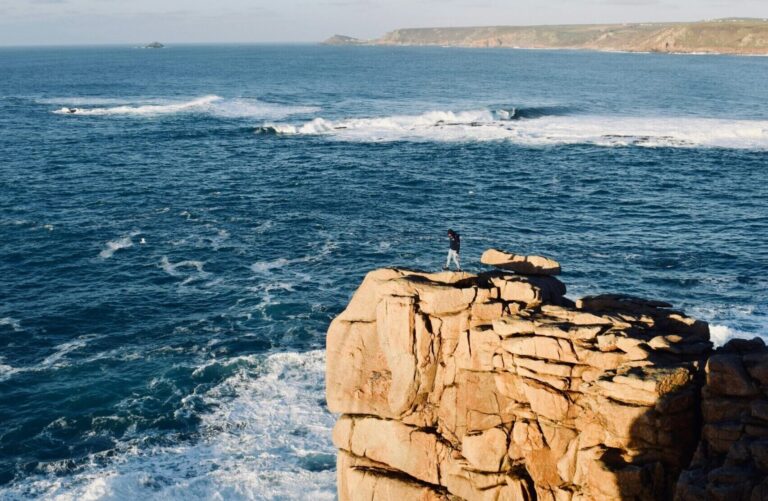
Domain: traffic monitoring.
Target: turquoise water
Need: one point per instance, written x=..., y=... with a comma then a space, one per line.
x=178, y=227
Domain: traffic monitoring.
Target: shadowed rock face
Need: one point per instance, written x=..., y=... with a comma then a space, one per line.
x=731, y=461
x=496, y=386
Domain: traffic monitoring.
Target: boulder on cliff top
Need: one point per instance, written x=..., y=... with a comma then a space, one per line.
x=525, y=265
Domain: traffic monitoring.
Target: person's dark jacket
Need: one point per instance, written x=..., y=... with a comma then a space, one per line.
x=455, y=241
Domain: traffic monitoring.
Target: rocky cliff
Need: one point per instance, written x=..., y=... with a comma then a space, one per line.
x=496, y=386
x=723, y=36
x=731, y=462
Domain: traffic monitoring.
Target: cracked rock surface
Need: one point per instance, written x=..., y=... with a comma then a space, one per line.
x=496, y=386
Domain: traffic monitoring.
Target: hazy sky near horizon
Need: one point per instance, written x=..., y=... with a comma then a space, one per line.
x=34, y=22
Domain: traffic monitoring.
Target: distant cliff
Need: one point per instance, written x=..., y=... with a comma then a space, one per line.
x=454, y=386
x=723, y=36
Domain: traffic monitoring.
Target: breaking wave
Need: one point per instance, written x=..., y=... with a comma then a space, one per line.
x=514, y=113
x=537, y=127
x=213, y=105
x=267, y=437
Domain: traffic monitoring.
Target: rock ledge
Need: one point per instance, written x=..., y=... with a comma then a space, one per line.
x=496, y=386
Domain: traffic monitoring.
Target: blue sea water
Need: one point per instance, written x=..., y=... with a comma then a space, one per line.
x=178, y=227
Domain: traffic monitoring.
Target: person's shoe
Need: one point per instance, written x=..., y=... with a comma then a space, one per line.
x=445, y=268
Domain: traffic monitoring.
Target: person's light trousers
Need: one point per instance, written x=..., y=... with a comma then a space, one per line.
x=452, y=254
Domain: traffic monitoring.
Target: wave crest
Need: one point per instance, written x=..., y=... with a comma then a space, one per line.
x=212, y=105
x=538, y=127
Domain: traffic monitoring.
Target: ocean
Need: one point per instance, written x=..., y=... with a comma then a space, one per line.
x=179, y=226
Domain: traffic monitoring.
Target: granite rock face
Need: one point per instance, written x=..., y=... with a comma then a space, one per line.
x=731, y=462
x=496, y=386
x=527, y=265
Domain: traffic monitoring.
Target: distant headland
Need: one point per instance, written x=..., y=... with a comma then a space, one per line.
x=741, y=36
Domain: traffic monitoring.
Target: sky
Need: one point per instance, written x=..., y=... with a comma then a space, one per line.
x=66, y=22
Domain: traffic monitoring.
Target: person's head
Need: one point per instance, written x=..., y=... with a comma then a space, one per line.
x=451, y=233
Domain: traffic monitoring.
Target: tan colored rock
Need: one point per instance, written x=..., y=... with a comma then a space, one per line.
x=487, y=450
x=546, y=401
x=510, y=326
x=644, y=386
x=528, y=291
x=357, y=379
x=635, y=349
x=395, y=321
x=362, y=479
x=476, y=350
x=626, y=393
x=472, y=485
x=401, y=447
x=442, y=300
x=566, y=465
x=540, y=347
x=488, y=387
x=520, y=291
x=526, y=265
x=487, y=312
x=575, y=317
x=362, y=306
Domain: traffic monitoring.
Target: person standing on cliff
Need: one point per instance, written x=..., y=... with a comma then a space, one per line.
x=454, y=246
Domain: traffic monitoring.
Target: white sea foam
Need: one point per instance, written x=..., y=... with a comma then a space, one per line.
x=58, y=357
x=267, y=266
x=481, y=125
x=721, y=334
x=252, y=108
x=212, y=105
x=263, y=227
x=56, y=360
x=6, y=371
x=145, y=109
x=217, y=241
x=269, y=437
x=173, y=268
x=115, y=245
x=12, y=322
x=270, y=286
